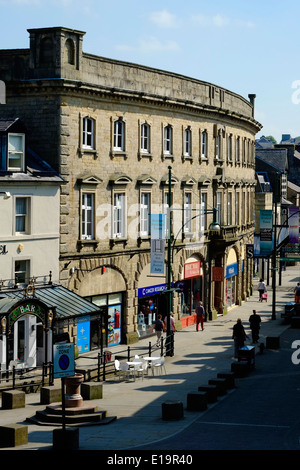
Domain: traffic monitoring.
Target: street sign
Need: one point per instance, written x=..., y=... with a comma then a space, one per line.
x=63, y=360
x=250, y=251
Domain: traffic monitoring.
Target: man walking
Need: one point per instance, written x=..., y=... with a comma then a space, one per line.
x=200, y=312
x=254, y=321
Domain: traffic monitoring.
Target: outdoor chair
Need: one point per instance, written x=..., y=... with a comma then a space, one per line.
x=122, y=369
x=141, y=367
x=158, y=364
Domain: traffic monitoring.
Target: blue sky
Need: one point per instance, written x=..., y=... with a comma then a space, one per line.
x=246, y=47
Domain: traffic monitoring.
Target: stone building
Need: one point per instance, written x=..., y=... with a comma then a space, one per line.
x=112, y=129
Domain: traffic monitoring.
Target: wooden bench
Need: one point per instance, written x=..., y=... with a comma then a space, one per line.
x=91, y=390
x=197, y=401
x=12, y=399
x=12, y=435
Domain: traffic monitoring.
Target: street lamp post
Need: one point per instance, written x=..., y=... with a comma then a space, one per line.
x=214, y=228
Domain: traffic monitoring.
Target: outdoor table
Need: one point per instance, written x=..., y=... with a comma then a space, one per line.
x=132, y=364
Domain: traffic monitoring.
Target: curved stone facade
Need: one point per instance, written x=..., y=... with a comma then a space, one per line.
x=113, y=129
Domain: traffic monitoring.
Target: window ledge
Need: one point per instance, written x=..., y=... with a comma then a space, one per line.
x=82, y=243
x=118, y=153
x=83, y=150
x=142, y=155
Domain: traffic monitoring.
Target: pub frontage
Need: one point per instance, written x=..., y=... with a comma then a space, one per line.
x=33, y=319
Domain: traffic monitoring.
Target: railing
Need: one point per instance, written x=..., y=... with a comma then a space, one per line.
x=14, y=378
x=101, y=367
x=105, y=367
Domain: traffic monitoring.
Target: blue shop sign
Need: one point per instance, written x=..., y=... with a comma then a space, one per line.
x=151, y=290
x=232, y=270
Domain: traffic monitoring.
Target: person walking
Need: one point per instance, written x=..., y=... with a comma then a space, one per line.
x=239, y=336
x=261, y=289
x=297, y=293
x=254, y=321
x=200, y=312
x=159, y=328
x=172, y=322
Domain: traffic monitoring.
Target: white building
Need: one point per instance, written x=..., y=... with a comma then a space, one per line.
x=29, y=235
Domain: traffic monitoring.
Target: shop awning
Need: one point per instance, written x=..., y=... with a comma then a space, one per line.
x=68, y=304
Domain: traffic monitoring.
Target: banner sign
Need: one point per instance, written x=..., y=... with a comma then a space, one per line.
x=157, y=244
x=151, y=290
x=266, y=232
x=293, y=224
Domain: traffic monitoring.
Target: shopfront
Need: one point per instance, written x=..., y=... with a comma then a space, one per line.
x=191, y=286
x=32, y=320
x=107, y=325
x=152, y=300
x=231, y=278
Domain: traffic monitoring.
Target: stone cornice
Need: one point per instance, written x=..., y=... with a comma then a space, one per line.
x=64, y=86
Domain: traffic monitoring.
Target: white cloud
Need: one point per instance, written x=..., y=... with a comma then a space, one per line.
x=221, y=21
x=164, y=19
x=149, y=45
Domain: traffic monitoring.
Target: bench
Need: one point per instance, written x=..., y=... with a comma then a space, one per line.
x=172, y=410
x=50, y=394
x=240, y=369
x=211, y=391
x=12, y=399
x=220, y=384
x=197, y=401
x=12, y=435
x=229, y=377
x=91, y=390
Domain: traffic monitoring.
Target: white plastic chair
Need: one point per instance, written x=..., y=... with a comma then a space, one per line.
x=141, y=367
x=122, y=368
x=158, y=364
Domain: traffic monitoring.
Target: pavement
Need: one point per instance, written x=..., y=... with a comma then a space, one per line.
x=137, y=405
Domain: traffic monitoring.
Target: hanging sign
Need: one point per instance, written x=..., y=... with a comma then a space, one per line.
x=157, y=244
x=293, y=224
x=266, y=232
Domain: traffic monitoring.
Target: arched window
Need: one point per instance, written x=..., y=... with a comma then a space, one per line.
x=70, y=51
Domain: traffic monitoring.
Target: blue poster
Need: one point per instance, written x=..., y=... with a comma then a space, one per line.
x=83, y=334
